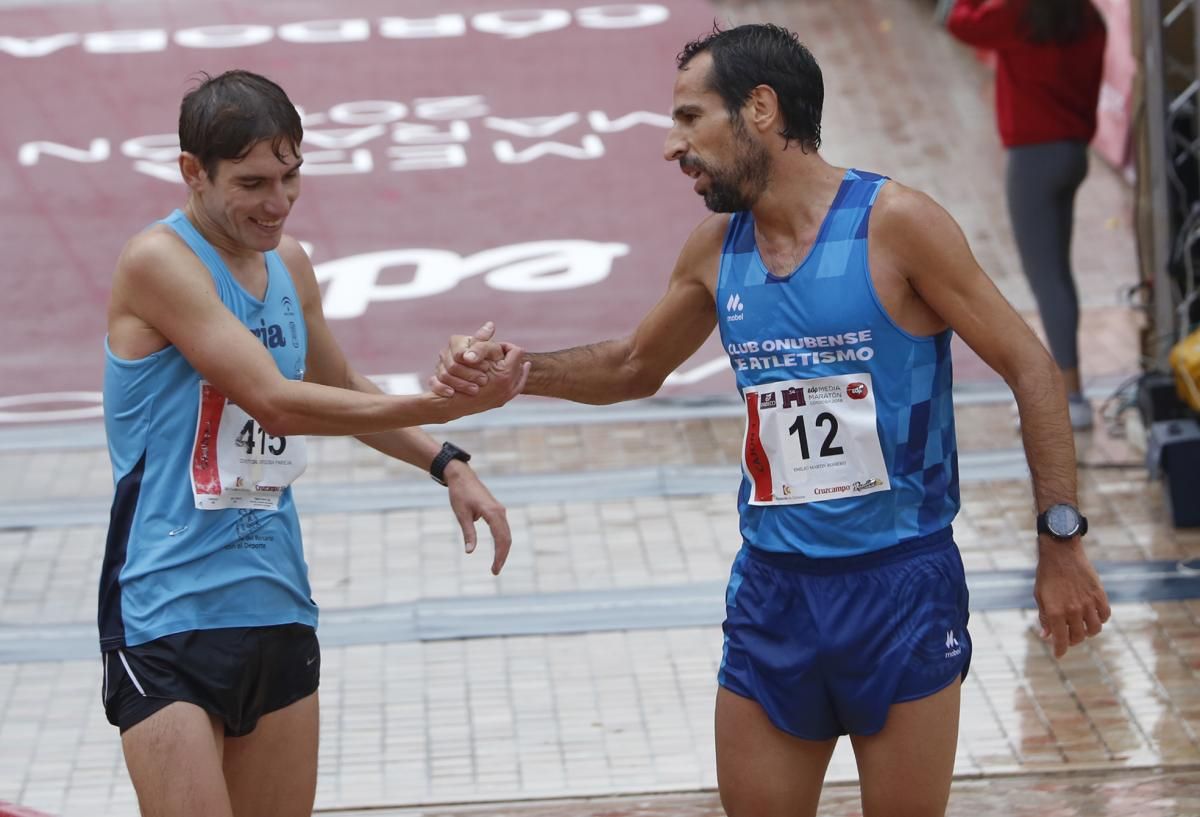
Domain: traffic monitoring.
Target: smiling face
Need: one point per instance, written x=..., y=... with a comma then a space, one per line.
x=731, y=167
x=246, y=201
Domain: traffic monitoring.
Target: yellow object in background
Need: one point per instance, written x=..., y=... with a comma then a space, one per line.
x=1185, y=361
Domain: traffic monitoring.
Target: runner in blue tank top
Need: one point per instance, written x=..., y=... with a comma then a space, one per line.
x=218, y=362
x=836, y=292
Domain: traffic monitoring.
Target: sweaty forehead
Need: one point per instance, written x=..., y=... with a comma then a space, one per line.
x=691, y=82
x=695, y=73
x=262, y=156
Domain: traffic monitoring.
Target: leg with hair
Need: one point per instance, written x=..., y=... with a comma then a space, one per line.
x=761, y=771
x=174, y=761
x=272, y=772
x=905, y=769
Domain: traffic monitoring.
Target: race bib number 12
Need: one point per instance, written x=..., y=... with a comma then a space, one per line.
x=812, y=440
x=235, y=462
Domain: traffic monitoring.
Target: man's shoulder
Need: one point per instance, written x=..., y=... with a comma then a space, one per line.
x=156, y=244
x=292, y=253
x=701, y=253
x=903, y=211
x=709, y=235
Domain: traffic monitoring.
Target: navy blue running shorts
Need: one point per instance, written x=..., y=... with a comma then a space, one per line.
x=237, y=674
x=826, y=646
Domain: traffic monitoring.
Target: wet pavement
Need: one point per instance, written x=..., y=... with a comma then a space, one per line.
x=1126, y=794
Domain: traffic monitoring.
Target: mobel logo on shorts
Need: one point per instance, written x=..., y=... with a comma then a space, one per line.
x=953, y=650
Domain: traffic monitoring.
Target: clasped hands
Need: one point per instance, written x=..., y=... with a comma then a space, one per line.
x=470, y=362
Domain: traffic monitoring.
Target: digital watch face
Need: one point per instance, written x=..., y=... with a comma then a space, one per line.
x=1062, y=520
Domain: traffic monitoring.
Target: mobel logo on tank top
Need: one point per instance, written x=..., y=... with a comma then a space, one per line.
x=734, y=308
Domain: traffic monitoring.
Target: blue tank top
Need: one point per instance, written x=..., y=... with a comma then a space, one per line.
x=169, y=567
x=824, y=320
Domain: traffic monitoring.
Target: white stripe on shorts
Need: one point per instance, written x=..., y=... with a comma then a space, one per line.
x=129, y=672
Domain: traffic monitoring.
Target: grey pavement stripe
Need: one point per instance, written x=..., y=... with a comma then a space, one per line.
x=700, y=604
x=511, y=489
x=528, y=413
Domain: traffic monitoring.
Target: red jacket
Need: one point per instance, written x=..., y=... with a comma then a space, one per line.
x=1044, y=92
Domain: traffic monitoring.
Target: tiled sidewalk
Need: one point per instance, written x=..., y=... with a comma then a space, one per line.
x=603, y=713
x=1130, y=794
x=610, y=713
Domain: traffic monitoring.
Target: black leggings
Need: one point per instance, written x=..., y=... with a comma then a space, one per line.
x=1041, y=183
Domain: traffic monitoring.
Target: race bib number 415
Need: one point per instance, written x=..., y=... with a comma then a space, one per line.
x=812, y=440
x=235, y=462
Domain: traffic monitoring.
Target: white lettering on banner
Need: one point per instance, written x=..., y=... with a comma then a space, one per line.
x=368, y=112
x=326, y=31
x=337, y=162
x=403, y=28
x=32, y=408
x=31, y=152
x=450, y=107
x=545, y=266
x=163, y=147
x=228, y=36
x=342, y=150
x=163, y=171
x=125, y=42
x=420, y=133
x=532, y=127
x=513, y=25
x=518, y=24
x=632, y=15
x=590, y=148
x=536, y=266
x=426, y=157
x=341, y=138
x=600, y=123
x=37, y=46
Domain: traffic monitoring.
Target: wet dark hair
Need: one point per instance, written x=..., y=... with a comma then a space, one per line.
x=224, y=117
x=763, y=54
x=1060, y=21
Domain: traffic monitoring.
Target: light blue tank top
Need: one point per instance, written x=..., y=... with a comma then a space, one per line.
x=169, y=567
x=810, y=325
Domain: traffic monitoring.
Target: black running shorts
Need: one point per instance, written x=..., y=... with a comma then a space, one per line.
x=237, y=674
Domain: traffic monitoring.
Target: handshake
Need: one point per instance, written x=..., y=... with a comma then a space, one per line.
x=478, y=370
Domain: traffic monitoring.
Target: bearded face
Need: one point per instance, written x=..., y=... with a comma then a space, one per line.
x=735, y=185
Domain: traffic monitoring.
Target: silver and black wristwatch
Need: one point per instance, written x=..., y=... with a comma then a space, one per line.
x=1062, y=521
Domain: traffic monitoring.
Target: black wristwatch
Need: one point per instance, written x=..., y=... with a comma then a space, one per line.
x=449, y=452
x=1062, y=521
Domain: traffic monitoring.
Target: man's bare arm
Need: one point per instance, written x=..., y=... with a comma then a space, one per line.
x=932, y=250
x=162, y=284
x=620, y=369
x=944, y=272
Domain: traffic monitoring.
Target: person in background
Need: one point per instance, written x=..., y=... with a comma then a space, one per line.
x=1049, y=62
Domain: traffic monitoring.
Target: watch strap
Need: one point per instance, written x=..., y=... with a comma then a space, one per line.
x=445, y=456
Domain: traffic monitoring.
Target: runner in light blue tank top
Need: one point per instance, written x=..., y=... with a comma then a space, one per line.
x=825, y=320
x=219, y=364
x=168, y=566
